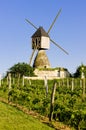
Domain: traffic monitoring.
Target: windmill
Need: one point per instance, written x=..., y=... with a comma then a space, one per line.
x=41, y=42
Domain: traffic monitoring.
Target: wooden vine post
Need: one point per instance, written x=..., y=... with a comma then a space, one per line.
x=46, y=85
x=83, y=94
x=18, y=79
x=67, y=83
x=72, y=84
x=52, y=102
x=9, y=85
x=9, y=81
x=23, y=80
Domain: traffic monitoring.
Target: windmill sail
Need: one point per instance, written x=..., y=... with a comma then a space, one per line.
x=54, y=21
x=31, y=23
x=59, y=46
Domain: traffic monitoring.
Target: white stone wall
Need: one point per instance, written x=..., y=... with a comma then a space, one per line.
x=51, y=73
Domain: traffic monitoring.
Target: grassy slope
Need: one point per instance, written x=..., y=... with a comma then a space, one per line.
x=13, y=119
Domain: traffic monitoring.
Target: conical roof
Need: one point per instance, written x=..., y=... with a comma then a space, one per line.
x=41, y=60
x=40, y=32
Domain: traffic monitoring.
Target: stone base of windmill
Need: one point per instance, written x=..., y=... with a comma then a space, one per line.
x=51, y=73
x=43, y=68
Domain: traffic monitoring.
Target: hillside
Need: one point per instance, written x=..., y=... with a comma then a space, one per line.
x=69, y=101
x=14, y=119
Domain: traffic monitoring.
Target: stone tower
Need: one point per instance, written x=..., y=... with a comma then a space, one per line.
x=41, y=60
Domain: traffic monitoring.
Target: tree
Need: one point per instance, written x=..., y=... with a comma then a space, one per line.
x=80, y=69
x=21, y=69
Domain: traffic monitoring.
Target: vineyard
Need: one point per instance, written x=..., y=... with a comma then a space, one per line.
x=69, y=104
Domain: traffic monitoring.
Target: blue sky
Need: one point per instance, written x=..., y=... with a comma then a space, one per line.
x=69, y=31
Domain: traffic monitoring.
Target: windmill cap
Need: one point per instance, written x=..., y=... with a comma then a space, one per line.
x=40, y=32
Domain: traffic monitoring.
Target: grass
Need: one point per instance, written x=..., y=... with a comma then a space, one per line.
x=13, y=119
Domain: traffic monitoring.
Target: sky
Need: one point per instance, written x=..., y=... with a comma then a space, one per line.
x=69, y=31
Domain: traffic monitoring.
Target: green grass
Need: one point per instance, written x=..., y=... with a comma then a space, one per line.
x=13, y=119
